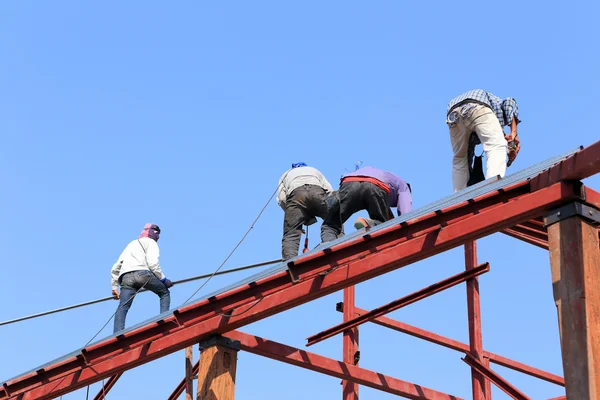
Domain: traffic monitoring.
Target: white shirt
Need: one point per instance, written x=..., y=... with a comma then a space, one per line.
x=140, y=254
x=296, y=177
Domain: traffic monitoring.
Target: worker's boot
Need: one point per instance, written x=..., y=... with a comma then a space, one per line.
x=362, y=223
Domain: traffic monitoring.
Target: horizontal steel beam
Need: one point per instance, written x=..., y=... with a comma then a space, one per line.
x=495, y=378
x=320, y=274
x=397, y=304
x=338, y=369
x=463, y=347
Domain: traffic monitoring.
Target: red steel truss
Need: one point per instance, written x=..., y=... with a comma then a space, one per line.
x=515, y=210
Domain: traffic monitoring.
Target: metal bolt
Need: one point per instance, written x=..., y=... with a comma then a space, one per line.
x=558, y=214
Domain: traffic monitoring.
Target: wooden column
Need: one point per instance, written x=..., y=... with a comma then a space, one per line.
x=481, y=389
x=350, y=345
x=575, y=263
x=216, y=376
x=189, y=382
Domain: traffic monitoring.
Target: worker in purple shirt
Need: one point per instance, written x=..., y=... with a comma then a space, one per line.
x=370, y=189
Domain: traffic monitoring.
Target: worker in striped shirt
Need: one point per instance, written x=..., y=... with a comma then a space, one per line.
x=484, y=114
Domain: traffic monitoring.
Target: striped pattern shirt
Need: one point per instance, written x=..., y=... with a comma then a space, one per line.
x=505, y=110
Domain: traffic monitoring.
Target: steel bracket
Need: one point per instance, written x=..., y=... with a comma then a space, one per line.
x=293, y=275
x=219, y=340
x=571, y=210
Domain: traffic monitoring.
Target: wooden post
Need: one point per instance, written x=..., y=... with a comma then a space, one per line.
x=350, y=345
x=218, y=362
x=480, y=387
x=189, y=385
x=575, y=263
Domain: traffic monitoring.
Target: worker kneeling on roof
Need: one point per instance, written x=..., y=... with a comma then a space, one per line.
x=370, y=189
x=484, y=114
x=138, y=267
x=303, y=195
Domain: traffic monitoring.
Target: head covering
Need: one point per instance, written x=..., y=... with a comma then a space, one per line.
x=299, y=164
x=151, y=231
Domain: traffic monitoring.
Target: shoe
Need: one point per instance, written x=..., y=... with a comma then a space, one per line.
x=362, y=223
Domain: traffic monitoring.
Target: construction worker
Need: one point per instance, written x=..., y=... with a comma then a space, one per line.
x=303, y=195
x=485, y=114
x=370, y=189
x=138, y=267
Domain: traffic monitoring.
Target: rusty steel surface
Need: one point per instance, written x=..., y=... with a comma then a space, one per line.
x=479, y=385
x=462, y=347
x=495, y=378
x=314, y=362
x=397, y=304
x=356, y=262
x=486, y=208
x=107, y=386
x=575, y=261
x=350, y=345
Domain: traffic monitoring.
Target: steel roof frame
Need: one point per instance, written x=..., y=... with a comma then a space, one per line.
x=492, y=206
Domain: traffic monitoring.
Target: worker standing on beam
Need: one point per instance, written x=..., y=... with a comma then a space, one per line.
x=485, y=114
x=138, y=267
x=370, y=189
x=303, y=195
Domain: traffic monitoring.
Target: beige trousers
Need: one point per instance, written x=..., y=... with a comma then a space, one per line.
x=485, y=124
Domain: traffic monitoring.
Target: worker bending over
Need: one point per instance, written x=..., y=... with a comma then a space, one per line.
x=485, y=114
x=302, y=194
x=138, y=267
x=370, y=189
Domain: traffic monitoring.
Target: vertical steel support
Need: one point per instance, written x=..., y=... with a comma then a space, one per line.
x=575, y=263
x=350, y=344
x=189, y=382
x=480, y=387
x=218, y=363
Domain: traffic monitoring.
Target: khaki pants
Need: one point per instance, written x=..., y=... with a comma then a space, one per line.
x=485, y=124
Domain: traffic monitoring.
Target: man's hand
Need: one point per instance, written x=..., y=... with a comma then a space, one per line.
x=115, y=294
x=514, y=146
x=167, y=282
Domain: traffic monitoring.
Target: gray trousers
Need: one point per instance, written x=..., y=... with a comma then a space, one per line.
x=354, y=197
x=304, y=203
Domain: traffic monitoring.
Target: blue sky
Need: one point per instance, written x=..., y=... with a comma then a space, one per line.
x=186, y=114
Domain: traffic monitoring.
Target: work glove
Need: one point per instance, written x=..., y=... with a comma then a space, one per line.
x=167, y=282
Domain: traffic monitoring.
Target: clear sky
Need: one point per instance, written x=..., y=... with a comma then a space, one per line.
x=185, y=114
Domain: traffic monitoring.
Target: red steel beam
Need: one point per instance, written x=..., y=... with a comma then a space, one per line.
x=495, y=378
x=525, y=237
x=464, y=348
x=320, y=274
x=397, y=304
x=335, y=368
x=107, y=386
x=478, y=382
x=181, y=385
x=580, y=165
x=559, y=398
x=350, y=345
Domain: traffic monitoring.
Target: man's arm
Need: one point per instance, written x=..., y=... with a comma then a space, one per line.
x=511, y=111
x=114, y=277
x=281, y=195
x=152, y=258
x=404, y=202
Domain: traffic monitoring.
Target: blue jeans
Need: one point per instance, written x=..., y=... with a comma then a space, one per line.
x=131, y=282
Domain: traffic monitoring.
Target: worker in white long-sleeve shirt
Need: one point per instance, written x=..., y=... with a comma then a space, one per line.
x=139, y=267
x=302, y=193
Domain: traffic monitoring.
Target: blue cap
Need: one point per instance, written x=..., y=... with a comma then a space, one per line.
x=299, y=164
